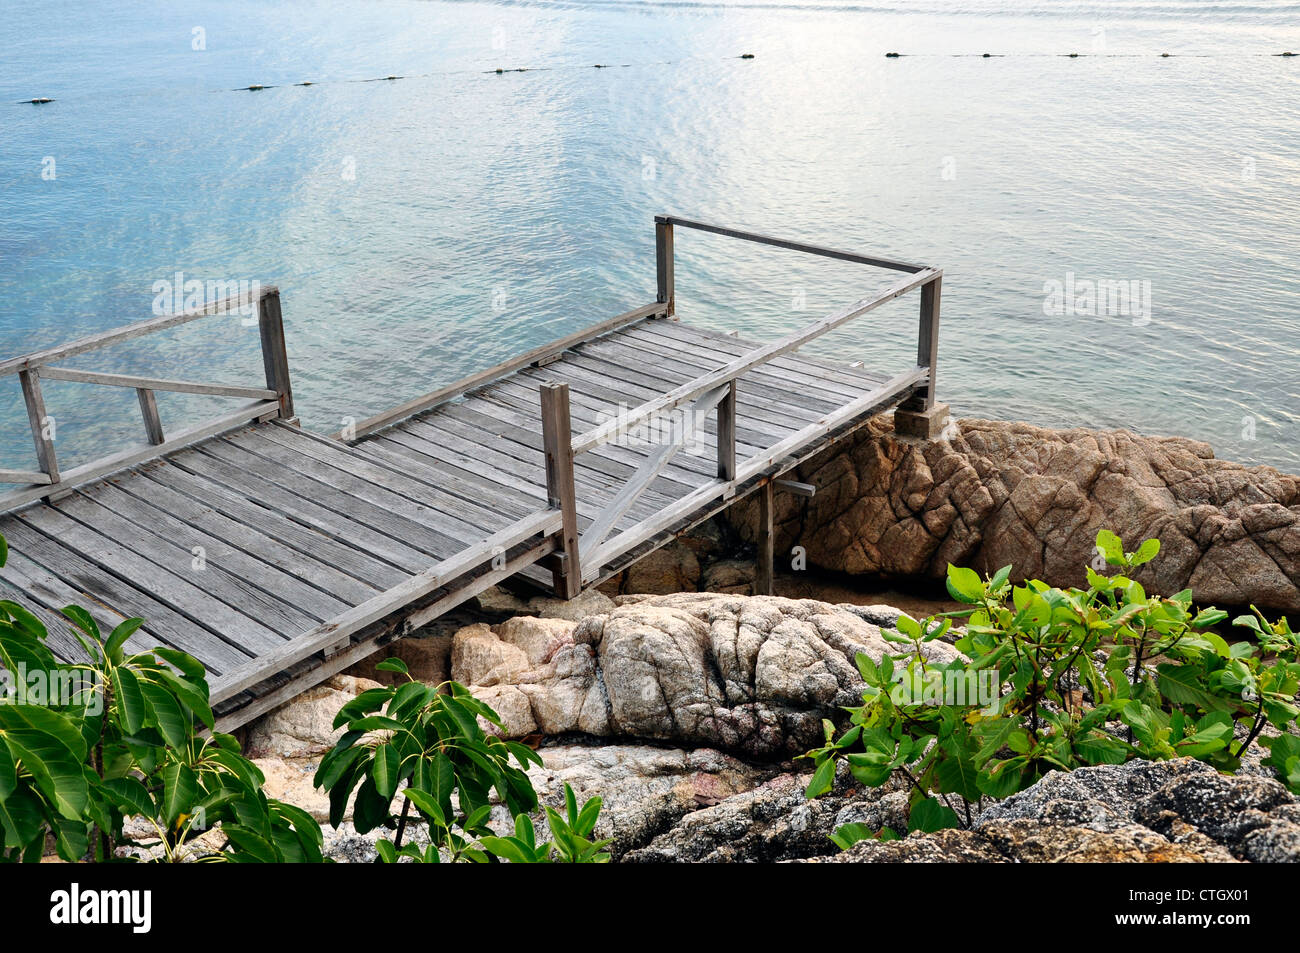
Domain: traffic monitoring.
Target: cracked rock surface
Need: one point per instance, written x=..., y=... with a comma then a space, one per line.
x=998, y=493
x=753, y=676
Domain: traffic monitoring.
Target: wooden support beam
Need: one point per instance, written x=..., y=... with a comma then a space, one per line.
x=727, y=434
x=766, y=538
x=557, y=438
x=275, y=357
x=153, y=427
x=156, y=383
x=39, y=421
x=795, y=487
x=665, y=283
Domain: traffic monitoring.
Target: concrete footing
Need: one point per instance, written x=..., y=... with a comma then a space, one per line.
x=924, y=424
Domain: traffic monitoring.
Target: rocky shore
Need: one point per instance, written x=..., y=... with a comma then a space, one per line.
x=684, y=713
x=683, y=701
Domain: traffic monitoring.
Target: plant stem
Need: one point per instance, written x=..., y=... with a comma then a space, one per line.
x=401, y=823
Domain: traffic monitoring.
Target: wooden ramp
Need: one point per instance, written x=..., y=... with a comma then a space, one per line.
x=277, y=556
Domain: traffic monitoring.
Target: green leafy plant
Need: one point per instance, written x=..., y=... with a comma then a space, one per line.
x=119, y=736
x=572, y=831
x=427, y=745
x=1082, y=676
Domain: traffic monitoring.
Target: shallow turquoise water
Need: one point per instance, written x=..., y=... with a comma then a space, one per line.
x=426, y=227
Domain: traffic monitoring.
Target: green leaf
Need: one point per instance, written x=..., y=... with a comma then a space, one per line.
x=846, y=835
x=130, y=702
x=930, y=814
x=508, y=848
x=956, y=773
x=130, y=796
x=387, y=852
x=1146, y=552
x=1182, y=685
x=179, y=790
x=82, y=620
x=393, y=665
x=386, y=770
x=117, y=638
x=965, y=585
x=165, y=714
x=187, y=665
x=1111, y=547
x=822, y=779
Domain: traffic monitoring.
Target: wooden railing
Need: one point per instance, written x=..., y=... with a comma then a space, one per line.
x=49, y=481
x=580, y=558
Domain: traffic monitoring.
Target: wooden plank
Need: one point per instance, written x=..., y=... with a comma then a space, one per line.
x=153, y=428
x=225, y=591
x=351, y=562
x=527, y=447
x=766, y=536
x=381, y=606
x=779, y=378
x=236, y=469
x=98, y=586
x=46, y=458
x=741, y=364
x=818, y=250
x=411, y=407
x=557, y=434
x=324, y=450
x=727, y=346
x=127, y=458
x=338, y=589
x=149, y=326
x=404, y=521
x=275, y=357
x=274, y=580
x=774, y=402
x=156, y=383
x=429, y=471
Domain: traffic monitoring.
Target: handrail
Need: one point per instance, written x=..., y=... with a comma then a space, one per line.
x=805, y=247
x=706, y=382
x=579, y=560
x=275, y=399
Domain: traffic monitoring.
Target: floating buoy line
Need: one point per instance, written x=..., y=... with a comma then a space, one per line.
x=501, y=70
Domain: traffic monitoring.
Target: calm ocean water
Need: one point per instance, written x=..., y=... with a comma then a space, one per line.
x=430, y=226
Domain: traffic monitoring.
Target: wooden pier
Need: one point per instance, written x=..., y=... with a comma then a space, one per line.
x=561, y=467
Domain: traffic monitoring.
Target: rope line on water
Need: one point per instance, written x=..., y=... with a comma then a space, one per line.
x=499, y=71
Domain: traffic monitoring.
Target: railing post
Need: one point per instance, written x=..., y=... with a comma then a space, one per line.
x=36, y=416
x=557, y=438
x=664, y=264
x=149, y=411
x=275, y=357
x=927, y=350
x=764, y=571
x=727, y=435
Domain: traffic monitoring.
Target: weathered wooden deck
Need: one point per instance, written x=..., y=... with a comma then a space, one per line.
x=277, y=556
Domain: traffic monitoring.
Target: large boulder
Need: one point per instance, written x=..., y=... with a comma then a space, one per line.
x=995, y=493
x=752, y=675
